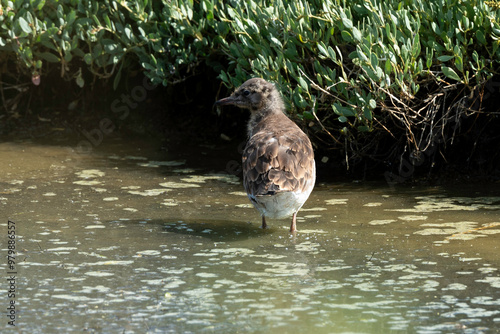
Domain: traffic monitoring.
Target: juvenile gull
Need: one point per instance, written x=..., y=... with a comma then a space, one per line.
x=278, y=160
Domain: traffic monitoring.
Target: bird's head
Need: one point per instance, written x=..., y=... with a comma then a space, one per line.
x=255, y=94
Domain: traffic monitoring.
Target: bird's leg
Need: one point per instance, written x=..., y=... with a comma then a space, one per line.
x=264, y=225
x=293, y=227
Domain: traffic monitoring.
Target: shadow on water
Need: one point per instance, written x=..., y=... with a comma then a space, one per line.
x=215, y=230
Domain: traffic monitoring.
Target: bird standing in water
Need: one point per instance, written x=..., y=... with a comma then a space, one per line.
x=279, y=171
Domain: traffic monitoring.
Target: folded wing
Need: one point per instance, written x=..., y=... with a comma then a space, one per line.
x=274, y=162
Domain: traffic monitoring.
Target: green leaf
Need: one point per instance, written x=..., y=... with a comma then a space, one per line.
x=331, y=53
x=450, y=73
x=475, y=56
x=429, y=55
x=372, y=103
x=30, y=18
x=148, y=66
x=480, y=37
x=70, y=18
x=361, y=55
x=303, y=84
x=322, y=49
x=347, y=23
x=96, y=20
x=388, y=67
x=356, y=34
x=96, y=52
x=78, y=52
x=110, y=46
x=445, y=58
x=342, y=119
x=79, y=80
x=371, y=74
x=107, y=21
x=254, y=28
x=38, y=4
x=346, y=36
x=25, y=26
x=50, y=57
x=335, y=108
x=368, y=114
x=308, y=115
x=459, y=63
x=374, y=60
x=394, y=19
x=363, y=128
x=118, y=77
x=87, y=58
x=343, y=111
x=60, y=12
x=416, y=45
x=276, y=42
x=67, y=57
x=128, y=32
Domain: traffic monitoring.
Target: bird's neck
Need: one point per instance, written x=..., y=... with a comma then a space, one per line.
x=258, y=120
x=273, y=106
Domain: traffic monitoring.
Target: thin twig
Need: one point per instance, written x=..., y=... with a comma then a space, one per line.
x=321, y=124
x=316, y=86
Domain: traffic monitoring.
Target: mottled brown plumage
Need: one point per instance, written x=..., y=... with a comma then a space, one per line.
x=278, y=161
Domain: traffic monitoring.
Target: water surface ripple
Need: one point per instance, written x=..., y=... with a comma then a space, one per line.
x=133, y=240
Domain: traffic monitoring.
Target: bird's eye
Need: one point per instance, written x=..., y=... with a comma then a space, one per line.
x=246, y=92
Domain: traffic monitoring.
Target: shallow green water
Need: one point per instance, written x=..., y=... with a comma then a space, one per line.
x=130, y=239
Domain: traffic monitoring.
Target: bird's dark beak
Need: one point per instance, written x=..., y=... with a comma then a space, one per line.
x=225, y=101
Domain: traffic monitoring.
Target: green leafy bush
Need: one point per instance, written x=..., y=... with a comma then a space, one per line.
x=357, y=71
x=363, y=65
